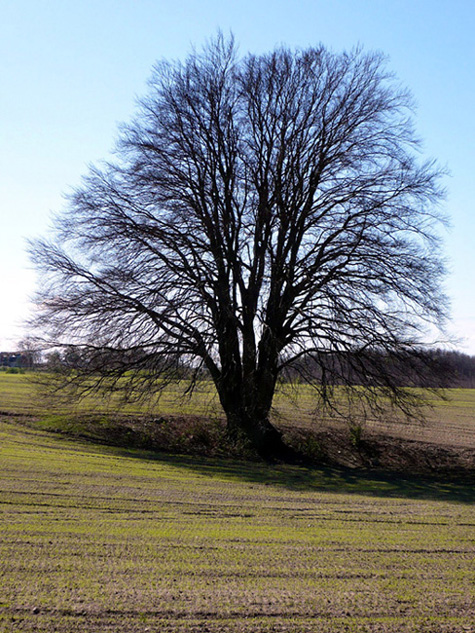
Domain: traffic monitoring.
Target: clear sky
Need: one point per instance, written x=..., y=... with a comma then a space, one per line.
x=71, y=70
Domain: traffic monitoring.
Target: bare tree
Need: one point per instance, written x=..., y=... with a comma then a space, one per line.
x=30, y=356
x=262, y=211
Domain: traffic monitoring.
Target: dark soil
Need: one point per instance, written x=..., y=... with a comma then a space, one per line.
x=375, y=451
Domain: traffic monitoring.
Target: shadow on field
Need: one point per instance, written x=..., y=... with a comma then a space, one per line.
x=459, y=486
x=325, y=479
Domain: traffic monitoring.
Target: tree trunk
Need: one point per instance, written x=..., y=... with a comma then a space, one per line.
x=246, y=395
x=263, y=435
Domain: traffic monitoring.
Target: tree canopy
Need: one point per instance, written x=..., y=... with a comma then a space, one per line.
x=264, y=214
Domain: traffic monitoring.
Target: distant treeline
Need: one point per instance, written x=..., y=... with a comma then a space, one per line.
x=460, y=368
x=418, y=368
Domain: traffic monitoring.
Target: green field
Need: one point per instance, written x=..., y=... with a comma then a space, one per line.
x=101, y=539
x=451, y=422
x=96, y=538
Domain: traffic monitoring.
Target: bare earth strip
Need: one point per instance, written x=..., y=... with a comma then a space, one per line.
x=101, y=539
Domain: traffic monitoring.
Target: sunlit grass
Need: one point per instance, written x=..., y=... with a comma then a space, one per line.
x=106, y=539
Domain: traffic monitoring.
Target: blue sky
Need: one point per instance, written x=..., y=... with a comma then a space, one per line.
x=70, y=73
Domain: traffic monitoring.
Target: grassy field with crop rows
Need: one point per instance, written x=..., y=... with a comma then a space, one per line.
x=451, y=421
x=103, y=539
x=99, y=538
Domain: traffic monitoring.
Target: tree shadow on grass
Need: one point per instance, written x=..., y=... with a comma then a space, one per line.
x=321, y=479
x=335, y=479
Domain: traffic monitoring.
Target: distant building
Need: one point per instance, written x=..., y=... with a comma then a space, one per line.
x=10, y=359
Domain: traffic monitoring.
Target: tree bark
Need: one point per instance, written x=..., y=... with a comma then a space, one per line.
x=263, y=435
x=247, y=402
